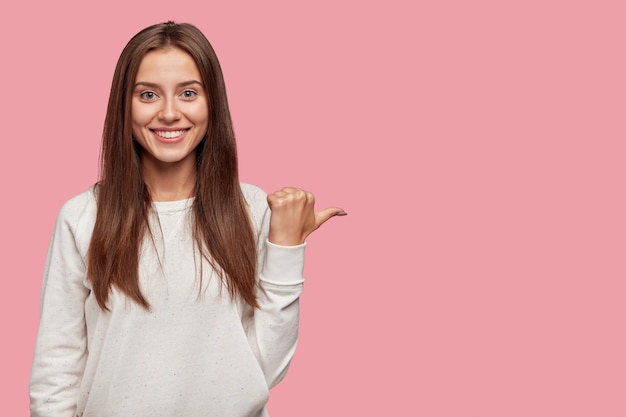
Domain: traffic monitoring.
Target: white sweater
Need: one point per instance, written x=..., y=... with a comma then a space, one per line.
x=195, y=353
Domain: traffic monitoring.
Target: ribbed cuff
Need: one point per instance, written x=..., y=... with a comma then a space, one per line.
x=284, y=265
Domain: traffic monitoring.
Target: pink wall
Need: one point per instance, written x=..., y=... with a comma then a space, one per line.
x=478, y=147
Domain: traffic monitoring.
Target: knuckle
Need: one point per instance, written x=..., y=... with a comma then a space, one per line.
x=279, y=203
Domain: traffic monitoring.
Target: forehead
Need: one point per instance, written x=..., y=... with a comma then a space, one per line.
x=165, y=64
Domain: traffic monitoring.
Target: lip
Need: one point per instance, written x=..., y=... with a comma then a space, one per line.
x=173, y=140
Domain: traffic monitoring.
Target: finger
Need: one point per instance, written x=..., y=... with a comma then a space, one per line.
x=277, y=194
x=322, y=216
x=298, y=193
x=285, y=199
x=289, y=189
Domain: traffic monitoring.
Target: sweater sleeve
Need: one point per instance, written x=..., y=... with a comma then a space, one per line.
x=60, y=350
x=272, y=329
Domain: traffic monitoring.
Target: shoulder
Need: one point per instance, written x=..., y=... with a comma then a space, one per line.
x=255, y=197
x=256, y=200
x=253, y=193
x=78, y=214
x=79, y=205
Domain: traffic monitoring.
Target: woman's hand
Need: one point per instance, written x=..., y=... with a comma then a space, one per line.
x=293, y=216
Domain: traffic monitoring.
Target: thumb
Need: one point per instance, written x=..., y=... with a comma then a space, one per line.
x=323, y=215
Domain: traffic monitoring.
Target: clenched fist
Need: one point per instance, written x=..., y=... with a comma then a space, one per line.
x=293, y=216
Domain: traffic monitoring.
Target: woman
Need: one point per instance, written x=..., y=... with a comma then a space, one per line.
x=170, y=289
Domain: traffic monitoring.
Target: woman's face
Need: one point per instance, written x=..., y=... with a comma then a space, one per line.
x=169, y=108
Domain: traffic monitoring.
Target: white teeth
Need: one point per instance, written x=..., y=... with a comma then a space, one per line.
x=169, y=134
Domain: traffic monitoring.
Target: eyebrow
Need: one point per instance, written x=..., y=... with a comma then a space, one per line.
x=155, y=85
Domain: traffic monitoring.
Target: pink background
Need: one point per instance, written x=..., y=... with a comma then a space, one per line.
x=478, y=147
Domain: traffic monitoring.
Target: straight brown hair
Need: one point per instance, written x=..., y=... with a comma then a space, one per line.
x=221, y=224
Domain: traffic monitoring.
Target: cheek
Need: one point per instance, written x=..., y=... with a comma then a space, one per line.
x=200, y=114
x=136, y=128
x=138, y=123
x=139, y=115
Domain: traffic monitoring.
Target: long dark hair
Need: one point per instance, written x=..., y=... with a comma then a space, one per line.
x=221, y=224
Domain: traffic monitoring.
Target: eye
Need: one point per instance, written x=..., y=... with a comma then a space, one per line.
x=189, y=94
x=147, y=95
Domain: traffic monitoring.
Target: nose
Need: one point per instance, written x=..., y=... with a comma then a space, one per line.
x=169, y=111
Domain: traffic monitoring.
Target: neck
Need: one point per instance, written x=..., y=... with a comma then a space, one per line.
x=170, y=181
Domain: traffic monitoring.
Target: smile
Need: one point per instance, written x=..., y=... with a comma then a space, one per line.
x=169, y=134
